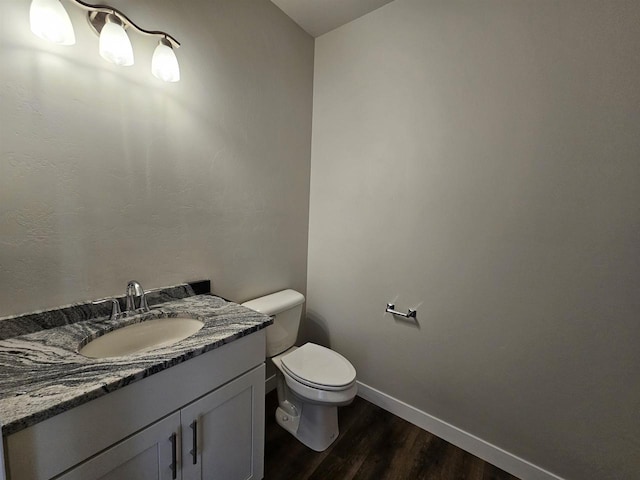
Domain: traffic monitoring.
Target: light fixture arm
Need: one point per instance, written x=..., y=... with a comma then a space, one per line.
x=127, y=21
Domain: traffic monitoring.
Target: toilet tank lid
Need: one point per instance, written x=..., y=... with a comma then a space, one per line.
x=276, y=302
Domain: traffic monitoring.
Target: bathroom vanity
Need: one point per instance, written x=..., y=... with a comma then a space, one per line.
x=190, y=410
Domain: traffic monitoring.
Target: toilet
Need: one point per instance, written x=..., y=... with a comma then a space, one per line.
x=312, y=381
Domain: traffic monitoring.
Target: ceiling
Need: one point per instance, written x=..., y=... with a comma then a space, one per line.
x=317, y=17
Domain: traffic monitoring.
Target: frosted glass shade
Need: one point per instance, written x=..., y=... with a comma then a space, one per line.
x=50, y=21
x=115, y=46
x=164, y=64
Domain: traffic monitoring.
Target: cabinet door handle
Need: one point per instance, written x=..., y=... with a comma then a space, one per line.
x=174, y=461
x=194, y=450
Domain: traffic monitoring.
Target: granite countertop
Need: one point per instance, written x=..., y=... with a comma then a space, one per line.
x=42, y=374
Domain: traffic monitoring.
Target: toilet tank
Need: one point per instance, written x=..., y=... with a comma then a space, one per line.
x=286, y=308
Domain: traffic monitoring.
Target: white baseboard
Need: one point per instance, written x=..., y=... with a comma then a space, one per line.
x=466, y=441
x=270, y=384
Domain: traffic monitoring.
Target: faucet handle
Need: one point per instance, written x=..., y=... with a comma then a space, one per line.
x=116, y=313
x=144, y=306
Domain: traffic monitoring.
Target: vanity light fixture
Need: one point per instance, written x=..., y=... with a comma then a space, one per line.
x=164, y=64
x=50, y=21
x=115, y=46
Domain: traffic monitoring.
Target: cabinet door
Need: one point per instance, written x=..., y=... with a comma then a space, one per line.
x=151, y=454
x=223, y=432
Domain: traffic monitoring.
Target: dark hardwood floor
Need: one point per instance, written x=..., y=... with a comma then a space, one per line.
x=373, y=445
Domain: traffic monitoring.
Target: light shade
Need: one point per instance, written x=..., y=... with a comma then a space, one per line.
x=164, y=64
x=115, y=46
x=50, y=21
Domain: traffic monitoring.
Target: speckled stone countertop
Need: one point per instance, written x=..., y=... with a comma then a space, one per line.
x=42, y=374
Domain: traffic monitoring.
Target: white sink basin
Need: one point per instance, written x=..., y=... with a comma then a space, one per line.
x=141, y=337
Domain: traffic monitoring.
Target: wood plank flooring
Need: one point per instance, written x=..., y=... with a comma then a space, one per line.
x=373, y=445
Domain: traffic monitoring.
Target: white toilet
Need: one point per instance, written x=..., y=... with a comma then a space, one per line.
x=312, y=380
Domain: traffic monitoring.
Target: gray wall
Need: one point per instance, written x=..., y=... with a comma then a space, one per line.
x=108, y=174
x=480, y=161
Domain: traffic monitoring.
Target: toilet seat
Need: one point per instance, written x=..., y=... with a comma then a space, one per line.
x=319, y=367
x=320, y=396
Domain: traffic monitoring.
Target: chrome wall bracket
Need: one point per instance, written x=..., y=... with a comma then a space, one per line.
x=411, y=313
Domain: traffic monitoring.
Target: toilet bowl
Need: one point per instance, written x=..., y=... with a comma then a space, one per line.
x=312, y=380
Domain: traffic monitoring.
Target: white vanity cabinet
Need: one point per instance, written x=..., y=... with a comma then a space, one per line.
x=220, y=440
x=220, y=436
x=147, y=455
x=201, y=419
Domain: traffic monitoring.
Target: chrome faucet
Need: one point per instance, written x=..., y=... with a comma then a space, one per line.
x=134, y=289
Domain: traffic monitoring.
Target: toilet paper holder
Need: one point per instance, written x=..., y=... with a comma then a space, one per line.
x=391, y=308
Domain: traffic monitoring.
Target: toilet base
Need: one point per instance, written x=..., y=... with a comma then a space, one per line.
x=316, y=426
